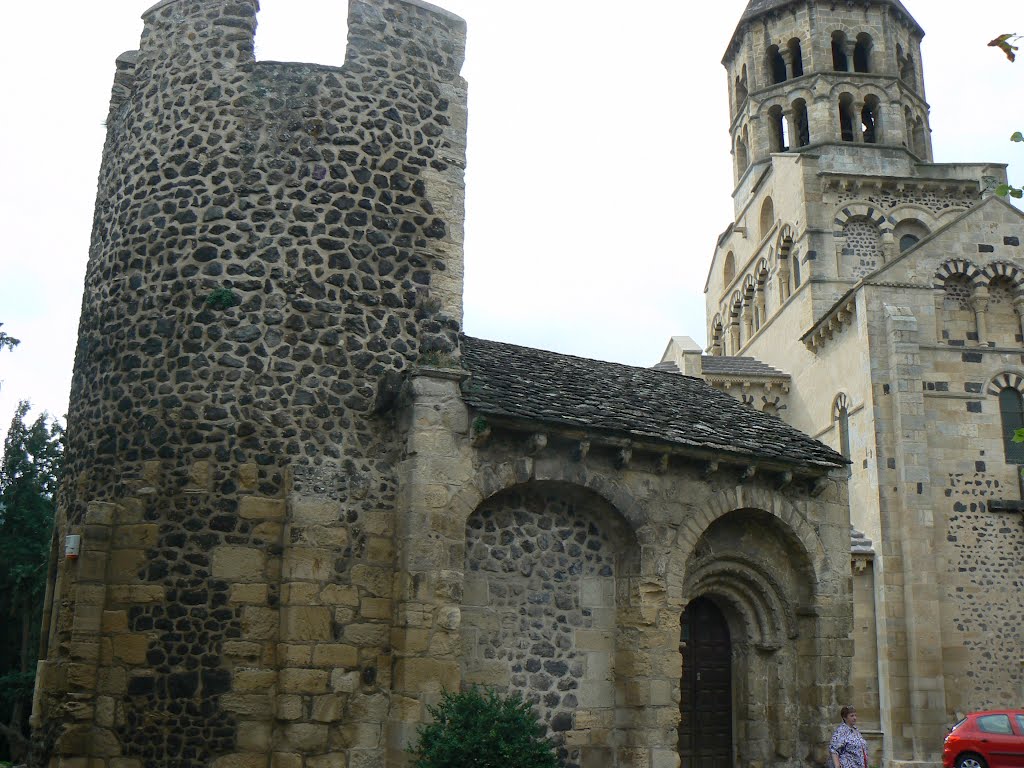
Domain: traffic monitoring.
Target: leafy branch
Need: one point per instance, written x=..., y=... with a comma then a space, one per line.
x=7, y=342
x=1005, y=43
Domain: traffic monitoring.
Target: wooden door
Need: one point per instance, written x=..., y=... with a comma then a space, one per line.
x=705, y=730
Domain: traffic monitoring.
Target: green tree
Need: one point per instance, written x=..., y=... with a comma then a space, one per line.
x=483, y=730
x=29, y=475
x=8, y=342
x=1005, y=43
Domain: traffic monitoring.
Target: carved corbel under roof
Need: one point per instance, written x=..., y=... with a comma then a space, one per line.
x=838, y=318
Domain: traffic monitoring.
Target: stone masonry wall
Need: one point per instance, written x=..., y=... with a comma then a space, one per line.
x=539, y=602
x=272, y=244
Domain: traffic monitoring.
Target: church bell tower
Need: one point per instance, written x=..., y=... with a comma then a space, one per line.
x=825, y=77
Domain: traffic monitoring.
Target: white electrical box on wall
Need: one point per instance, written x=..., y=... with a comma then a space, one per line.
x=72, y=546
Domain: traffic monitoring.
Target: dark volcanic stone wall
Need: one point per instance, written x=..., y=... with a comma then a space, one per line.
x=539, y=612
x=272, y=243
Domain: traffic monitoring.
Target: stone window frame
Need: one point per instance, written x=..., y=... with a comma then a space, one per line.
x=1008, y=387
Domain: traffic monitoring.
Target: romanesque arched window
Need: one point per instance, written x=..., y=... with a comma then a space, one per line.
x=1011, y=412
x=742, y=156
x=840, y=61
x=778, y=141
x=917, y=145
x=776, y=66
x=801, y=123
x=909, y=233
x=862, y=53
x=908, y=74
x=869, y=117
x=741, y=88
x=796, y=57
x=846, y=117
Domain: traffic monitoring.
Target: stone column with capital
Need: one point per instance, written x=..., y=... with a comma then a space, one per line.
x=979, y=303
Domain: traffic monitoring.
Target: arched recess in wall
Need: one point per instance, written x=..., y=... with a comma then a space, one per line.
x=716, y=335
x=862, y=248
x=729, y=269
x=1003, y=321
x=735, y=321
x=767, y=218
x=750, y=314
x=954, y=311
x=545, y=565
x=860, y=229
x=784, y=261
x=761, y=274
x=909, y=232
x=759, y=574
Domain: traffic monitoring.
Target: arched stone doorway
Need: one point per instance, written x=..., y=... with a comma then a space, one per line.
x=705, y=701
x=750, y=572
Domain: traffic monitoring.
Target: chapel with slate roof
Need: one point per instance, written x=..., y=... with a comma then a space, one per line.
x=874, y=299
x=300, y=503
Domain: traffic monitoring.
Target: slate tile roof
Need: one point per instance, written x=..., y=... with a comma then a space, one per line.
x=860, y=544
x=547, y=387
x=723, y=365
x=718, y=365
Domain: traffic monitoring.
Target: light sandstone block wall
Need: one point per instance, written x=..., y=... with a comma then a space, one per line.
x=920, y=368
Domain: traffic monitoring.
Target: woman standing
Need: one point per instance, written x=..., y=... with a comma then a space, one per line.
x=848, y=749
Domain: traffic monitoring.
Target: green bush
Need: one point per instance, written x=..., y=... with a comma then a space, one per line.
x=483, y=730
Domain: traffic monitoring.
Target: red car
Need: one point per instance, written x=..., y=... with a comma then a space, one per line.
x=993, y=739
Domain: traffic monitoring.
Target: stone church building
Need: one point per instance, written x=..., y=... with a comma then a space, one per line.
x=874, y=299
x=300, y=502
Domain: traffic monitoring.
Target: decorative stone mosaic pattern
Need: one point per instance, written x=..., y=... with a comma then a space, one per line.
x=862, y=251
x=541, y=575
x=984, y=598
x=934, y=200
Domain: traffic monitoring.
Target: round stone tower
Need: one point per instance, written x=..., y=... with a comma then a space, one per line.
x=807, y=74
x=273, y=244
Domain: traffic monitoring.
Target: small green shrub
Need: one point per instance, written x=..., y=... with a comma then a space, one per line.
x=475, y=729
x=223, y=298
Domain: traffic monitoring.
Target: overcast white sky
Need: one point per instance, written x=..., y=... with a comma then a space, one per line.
x=599, y=171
